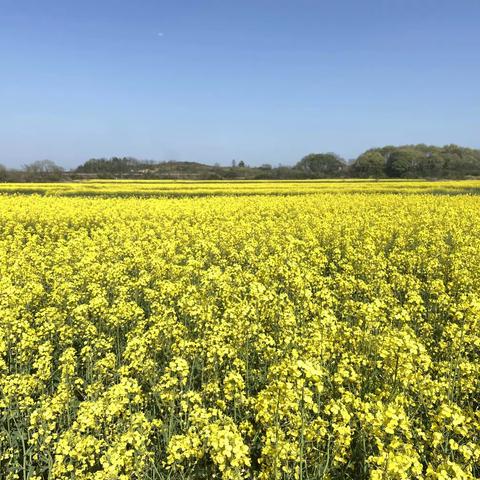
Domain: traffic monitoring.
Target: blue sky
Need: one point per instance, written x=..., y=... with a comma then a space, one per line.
x=264, y=81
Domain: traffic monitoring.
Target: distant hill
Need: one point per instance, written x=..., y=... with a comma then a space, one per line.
x=405, y=161
x=127, y=167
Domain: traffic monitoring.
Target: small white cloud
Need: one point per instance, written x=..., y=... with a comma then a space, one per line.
x=160, y=34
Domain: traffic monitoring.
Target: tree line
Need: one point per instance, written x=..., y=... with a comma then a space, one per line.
x=408, y=161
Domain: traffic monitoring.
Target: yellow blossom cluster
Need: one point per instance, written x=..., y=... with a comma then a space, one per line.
x=273, y=331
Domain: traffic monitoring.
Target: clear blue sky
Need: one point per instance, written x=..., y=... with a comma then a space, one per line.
x=255, y=80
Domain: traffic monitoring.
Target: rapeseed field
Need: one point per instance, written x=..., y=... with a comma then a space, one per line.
x=275, y=331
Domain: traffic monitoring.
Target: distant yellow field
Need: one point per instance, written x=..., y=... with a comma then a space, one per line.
x=290, y=330
x=200, y=188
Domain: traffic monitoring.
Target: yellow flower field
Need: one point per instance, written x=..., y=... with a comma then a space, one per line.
x=291, y=330
x=188, y=188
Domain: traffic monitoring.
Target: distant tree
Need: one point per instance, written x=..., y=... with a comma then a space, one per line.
x=43, y=166
x=461, y=161
x=266, y=166
x=43, y=170
x=234, y=163
x=423, y=161
x=431, y=165
x=3, y=173
x=369, y=164
x=401, y=163
x=241, y=164
x=115, y=166
x=322, y=164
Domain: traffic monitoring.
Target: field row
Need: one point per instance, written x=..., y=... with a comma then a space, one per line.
x=182, y=188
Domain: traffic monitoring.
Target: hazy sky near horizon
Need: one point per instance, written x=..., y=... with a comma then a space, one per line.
x=264, y=81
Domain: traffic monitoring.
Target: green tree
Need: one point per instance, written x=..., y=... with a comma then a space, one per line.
x=432, y=165
x=3, y=173
x=369, y=164
x=322, y=164
x=400, y=163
